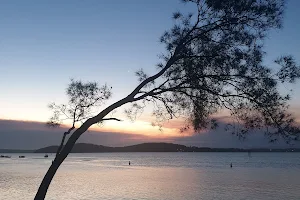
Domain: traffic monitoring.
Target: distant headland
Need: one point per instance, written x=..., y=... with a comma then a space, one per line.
x=146, y=147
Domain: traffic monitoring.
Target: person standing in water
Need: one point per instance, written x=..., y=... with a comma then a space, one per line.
x=230, y=165
x=129, y=163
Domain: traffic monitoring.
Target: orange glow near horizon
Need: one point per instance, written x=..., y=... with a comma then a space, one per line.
x=143, y=125
x=141, y=128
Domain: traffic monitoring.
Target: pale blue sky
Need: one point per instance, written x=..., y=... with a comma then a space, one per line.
x=45, y=43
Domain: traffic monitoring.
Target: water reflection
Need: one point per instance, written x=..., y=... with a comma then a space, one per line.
x=155, y=176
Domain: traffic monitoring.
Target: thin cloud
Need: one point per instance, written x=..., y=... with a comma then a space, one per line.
x=33, y=135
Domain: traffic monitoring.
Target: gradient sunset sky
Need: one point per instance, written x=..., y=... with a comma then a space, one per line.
x=45, y=43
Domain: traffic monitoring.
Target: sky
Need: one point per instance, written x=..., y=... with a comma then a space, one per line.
x=45, y=43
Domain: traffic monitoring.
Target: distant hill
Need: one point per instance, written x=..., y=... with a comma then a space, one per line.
x=145, y=147
x=153, y=147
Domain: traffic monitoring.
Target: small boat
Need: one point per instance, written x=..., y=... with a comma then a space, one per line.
x=46, y=156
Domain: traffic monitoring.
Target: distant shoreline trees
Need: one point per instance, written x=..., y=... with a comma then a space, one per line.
x=213, y=61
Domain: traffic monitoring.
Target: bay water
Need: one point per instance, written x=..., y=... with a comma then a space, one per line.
x=155, y=176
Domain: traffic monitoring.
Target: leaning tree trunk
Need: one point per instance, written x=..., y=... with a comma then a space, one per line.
x=40, y=195
x=42, y=191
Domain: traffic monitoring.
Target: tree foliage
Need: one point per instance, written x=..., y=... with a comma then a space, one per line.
x=214, y=61
x=82, y=98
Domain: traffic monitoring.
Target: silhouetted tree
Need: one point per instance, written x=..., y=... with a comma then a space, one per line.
x=83, y=97
x=213, y=61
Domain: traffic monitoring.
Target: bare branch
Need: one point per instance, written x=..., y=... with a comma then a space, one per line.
x=63, y=141
x=112, y=118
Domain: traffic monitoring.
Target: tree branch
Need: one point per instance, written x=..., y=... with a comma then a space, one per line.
x=152, y=78
x=63, y=140
x=112, y=118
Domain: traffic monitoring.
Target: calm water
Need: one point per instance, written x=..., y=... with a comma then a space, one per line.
x=156, y=176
